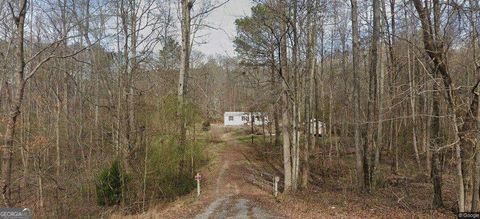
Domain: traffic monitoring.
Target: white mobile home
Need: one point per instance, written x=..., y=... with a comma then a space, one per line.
x=244, y=118
x=234, y=118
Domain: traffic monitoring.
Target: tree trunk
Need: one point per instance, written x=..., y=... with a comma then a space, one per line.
x=356, y=92
x=380, y=86
x=411, y=77
x=476, y=114
x=287, y=162
x=274, y=103
x=131, y=73
x=8, y=147
x=296, y=106
x=435, y=126
x=371, y=146
x=186, y=7
x=311, y=22
x=57, y=132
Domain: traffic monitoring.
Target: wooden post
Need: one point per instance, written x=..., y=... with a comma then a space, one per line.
x=198, y=177
x=252, y=119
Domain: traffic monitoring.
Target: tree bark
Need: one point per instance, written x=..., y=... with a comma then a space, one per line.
x=274, y=102
x=356, y=92
x=476, y=70
x=411, y=77
x=296, y=105
x=8, y=147
x=435, y=126
x=287, y=158
x=311, y=22
x=186, y=7
x=380, y=69
x=371, y=146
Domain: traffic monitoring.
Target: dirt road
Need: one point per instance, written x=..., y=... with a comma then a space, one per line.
x=234, y=197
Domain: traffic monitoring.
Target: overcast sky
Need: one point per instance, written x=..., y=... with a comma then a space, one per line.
x=220, y=41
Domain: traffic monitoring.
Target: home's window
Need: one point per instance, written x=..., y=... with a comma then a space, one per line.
x=230, y=118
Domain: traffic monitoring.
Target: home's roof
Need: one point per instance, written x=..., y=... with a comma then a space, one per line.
x=234, y=113
x=242, y=113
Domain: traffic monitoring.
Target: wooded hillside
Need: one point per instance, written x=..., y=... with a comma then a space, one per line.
x=106, y=105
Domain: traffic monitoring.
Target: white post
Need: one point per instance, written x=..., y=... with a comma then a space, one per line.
x=198, y=187
x=198, y=177
x=275, y=185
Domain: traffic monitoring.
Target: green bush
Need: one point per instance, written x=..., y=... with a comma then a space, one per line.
x=109, y=185
x=171, y=170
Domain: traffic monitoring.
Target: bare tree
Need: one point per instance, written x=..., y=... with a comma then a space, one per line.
x=356, y=100
x=287, y=159
x=186, y=7
x=310, y=137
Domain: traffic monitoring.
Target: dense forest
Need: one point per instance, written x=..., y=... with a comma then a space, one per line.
x=107, y=105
